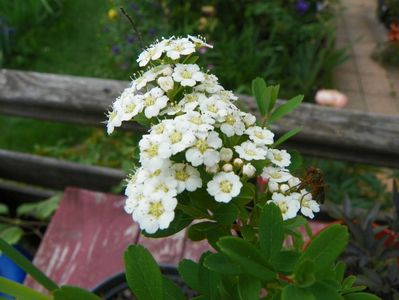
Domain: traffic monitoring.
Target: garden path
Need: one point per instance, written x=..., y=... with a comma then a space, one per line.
x=368, y=85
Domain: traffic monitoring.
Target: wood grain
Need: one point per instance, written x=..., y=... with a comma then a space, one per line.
x=327, y=132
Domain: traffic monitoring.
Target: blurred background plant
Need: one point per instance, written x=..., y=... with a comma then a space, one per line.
x=18, y=18
x=373, y=249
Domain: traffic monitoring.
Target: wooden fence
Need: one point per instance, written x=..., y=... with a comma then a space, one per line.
x=341, y=134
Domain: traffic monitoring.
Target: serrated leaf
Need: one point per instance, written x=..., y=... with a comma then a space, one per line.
x=222, y=264
x=287, y=136
x=326, y=247
x=73, y=293
x=285, y=108
x=171, y=290
x=361, y=296
x=188, y=270
x=271, y=231
x=259, y=90
x=247, y=256
x=291, y=292
x=248, y=288
x=143, y=274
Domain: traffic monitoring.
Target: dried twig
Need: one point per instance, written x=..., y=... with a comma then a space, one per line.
x=134, y=27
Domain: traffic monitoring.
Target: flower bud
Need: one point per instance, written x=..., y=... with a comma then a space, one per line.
x=248, y=170
x=227, y=168
x=293, y=181
x=273, y=186
x=249, y=120
x=213, y=169
x=238, y=162
x=284, y=188
x=166, y=83
x=226, y=154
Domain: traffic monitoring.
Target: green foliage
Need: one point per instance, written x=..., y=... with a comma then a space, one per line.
x=19, y=291
x=73, y=293
x=42, y=210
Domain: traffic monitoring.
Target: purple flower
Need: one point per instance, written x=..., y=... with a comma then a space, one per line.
x=302, y=6
x=116, y=50
x=130, y=39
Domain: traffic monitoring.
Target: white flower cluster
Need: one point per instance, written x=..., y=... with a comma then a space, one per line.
x=197, y=129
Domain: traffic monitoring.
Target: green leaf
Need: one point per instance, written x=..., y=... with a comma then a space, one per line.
x=19, y=291
x=191, y=59
x=294, y=223
x=41, y=210
x=285, y=261
x=74, y=293
x=180, y=222
x=3, y=209
x=361, y=296
x=273, y=96
x=171, y=290
x=287, y=136
x=248, y=233
x=199, y=231
x=143, y=274
x=247, y=256
x=27, y=266
x=304, y=273
x=340, y=271
x=208, y=279
x=259, y=90
x=11, y=234
x=286, y=108
x=291, y=292
x=326, y=247
x=222, y=264
x=247, y=194
x=296, y=161
x=226, y=213
x=348, y=282
x=189, y=271
x=323, y=291
x=271, y=232
x=248, y=288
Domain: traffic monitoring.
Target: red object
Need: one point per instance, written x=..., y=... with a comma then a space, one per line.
x=393, y=34
x=86, y=239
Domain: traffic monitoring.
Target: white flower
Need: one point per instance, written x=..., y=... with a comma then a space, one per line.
x=160, y=187
x=209, y=84
x=294, y=182
x=308, y=205
x=155, y=214
x=238, y=162
x=232, y=124
x=280, y=158
x=135, y=196
x=212, y=169
x=188, y=75
x=114, y=120
x=248, y=119
x=179, y=47
x=226, y=154
x=179, y=136
x=166, y=83
x=204, y=151
x=131, y=105
x=250, y=151
x=152, y=53
x=187, y=177
x=273, y=186
x=276, y=174
x=191, y=101
x=153, y=152
x=154, y=101
x=151, y=75
x=289, y=207
x=224, y=186
x=248, y=170
x=260, y=135
x=227, y=96
x=199, y=41
x=200, y=124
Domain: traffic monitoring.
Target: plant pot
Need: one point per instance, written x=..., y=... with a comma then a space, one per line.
x=116, y=287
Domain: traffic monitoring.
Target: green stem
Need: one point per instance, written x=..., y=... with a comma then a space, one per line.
x=20, y=291
x=20, y=222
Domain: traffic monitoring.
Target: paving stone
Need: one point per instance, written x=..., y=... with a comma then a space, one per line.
x=355, y=100
x=348, y=81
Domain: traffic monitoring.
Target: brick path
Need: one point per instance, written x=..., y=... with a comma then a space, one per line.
x=368, y=85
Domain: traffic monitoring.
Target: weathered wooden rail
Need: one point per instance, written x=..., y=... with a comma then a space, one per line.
x=329, y=133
